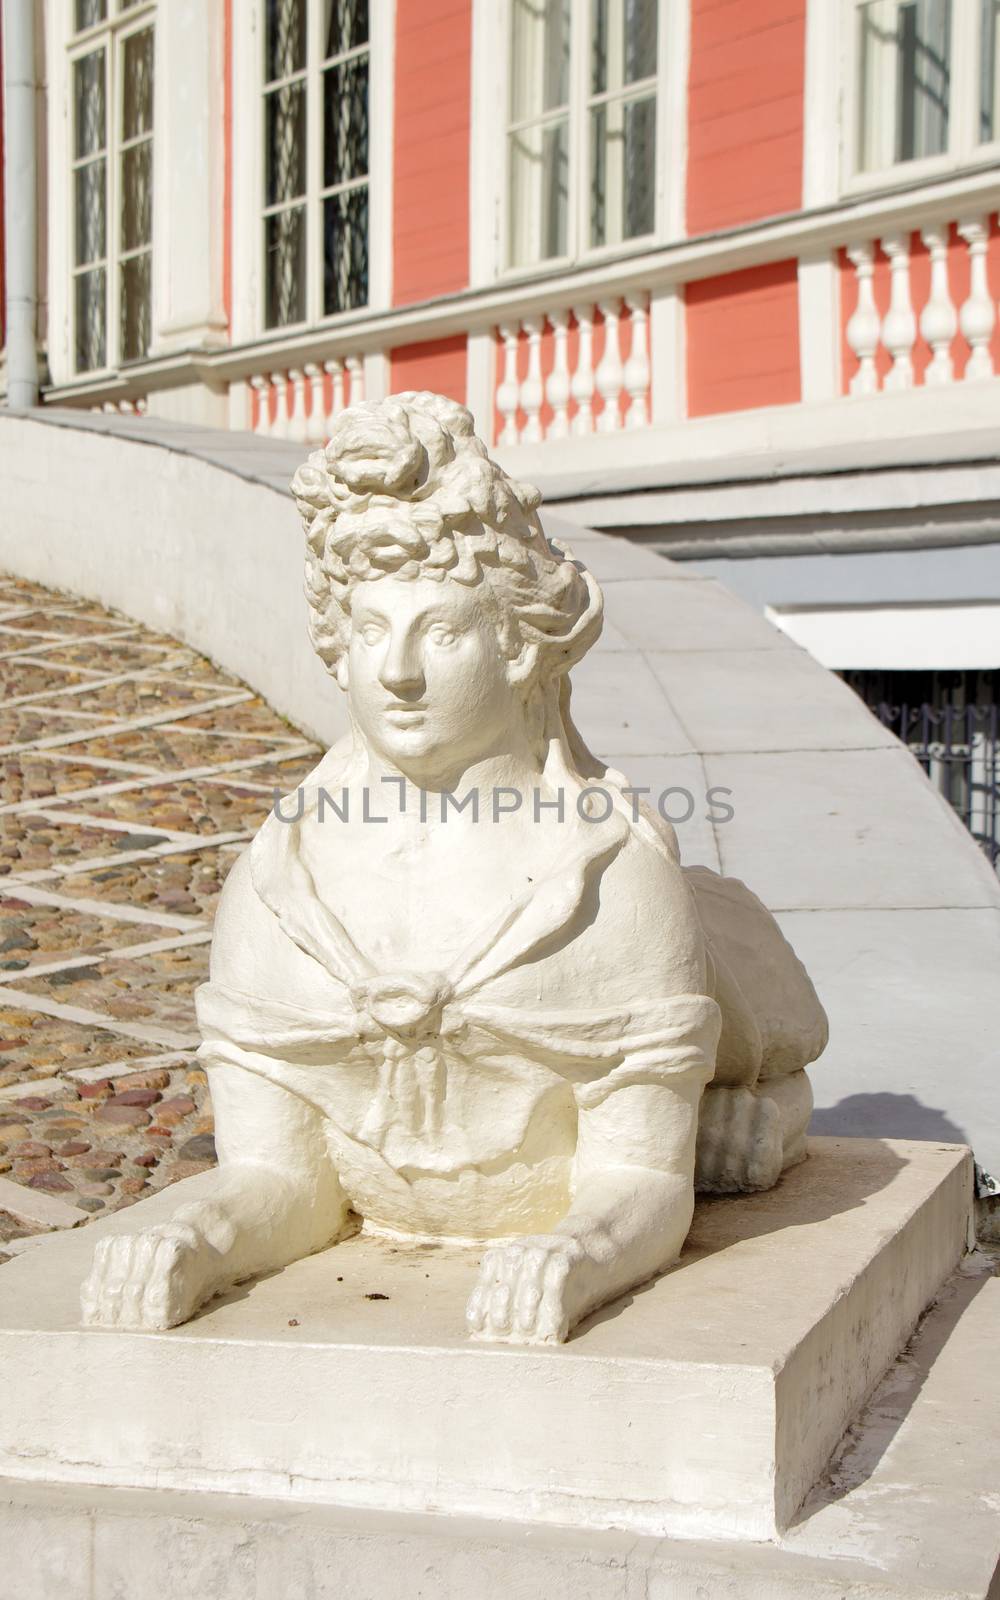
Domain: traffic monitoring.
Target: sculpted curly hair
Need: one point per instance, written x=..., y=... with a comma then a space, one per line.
x=404, y=487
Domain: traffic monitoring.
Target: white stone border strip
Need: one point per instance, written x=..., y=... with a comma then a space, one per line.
x=122, y=635
x=110, y=729
x=124, y=858
x=33, y=1205
x=143, y=1033
x=120, y=1069
x=152, y=777
x=113, y=910
x=84, y=819
x=128, y=952
x=100, y=681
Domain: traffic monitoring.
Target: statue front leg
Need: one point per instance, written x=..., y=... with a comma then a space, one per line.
x=275, y=1198
x=631, y=1211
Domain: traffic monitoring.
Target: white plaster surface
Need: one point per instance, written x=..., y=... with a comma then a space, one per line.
x=906, y=1510
x=785, y=1311
x=214, y=557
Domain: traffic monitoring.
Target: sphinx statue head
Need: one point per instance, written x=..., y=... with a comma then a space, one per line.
x=434, y=596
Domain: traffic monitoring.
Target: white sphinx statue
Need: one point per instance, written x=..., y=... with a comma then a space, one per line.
x=464, y=989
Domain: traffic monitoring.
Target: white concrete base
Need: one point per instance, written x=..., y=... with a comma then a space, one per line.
x=705, y=1405
x=908, y=1511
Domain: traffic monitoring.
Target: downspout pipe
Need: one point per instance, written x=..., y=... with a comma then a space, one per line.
x=20, y=202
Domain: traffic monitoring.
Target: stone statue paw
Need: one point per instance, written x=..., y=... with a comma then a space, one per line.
x=153, y=1279
x=529, y=1291
x=740, y=1146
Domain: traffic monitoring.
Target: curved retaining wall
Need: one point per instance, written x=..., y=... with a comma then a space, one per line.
x=772, y=770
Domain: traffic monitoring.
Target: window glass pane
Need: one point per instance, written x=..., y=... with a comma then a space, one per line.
x=285, y=267
x=905, y=76
x=137, y=195
x=88, y=101
x=345, y=250
x=286, y=143
x=91, y=213
x=126, y=5
x=137, y=89
x=90, y=320
x=89, y=12
x=345, y=121
x=623, y=170
x=539, y=57
x=286, y=38
x=135, y=300
x=345, y=26
x=539, y=189
x=623, y=43
x=989, y=99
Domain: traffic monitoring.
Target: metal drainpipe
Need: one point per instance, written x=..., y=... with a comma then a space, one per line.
x=20, y=202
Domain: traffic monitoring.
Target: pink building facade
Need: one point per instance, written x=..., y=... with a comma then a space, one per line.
x=720, y=275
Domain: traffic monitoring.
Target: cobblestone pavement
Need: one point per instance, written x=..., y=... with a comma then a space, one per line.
x=132, y=772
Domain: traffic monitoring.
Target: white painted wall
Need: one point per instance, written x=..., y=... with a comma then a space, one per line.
x=205, y=555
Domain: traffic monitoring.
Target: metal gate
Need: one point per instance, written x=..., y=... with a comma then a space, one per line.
x=950, y=721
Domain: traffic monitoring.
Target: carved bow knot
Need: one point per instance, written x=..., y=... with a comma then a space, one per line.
x=407, y=1005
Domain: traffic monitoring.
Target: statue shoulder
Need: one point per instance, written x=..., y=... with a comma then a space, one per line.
x=246, y=937
x=648, y=909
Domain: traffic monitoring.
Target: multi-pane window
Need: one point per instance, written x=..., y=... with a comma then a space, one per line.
x=316, y=115
x=111, y=83
x=914, y=59
x=581, y=130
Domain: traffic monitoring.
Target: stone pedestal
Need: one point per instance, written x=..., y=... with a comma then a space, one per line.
x=703, y=1407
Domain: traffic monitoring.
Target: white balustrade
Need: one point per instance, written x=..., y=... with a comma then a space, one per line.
x=864, y=326
x=582, y=382
x=940, y=318
x=355, y=379
x=557, y=387
x=508, y=389
x=560, y=403
x=978, y=313
x=610, y=372
x=532, y=392
x=899, y=327
x=637, y=367
x=295, y=404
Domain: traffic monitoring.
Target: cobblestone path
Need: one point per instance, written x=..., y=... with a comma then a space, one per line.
x=132, y=772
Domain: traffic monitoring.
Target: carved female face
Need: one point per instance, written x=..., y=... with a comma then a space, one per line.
x=429, y=687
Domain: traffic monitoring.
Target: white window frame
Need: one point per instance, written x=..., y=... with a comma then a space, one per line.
x=489, y=203
x=65, y=48
x=964, y=151
x=248, y=135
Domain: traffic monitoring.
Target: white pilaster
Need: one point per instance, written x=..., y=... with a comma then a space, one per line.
x=819, y=327
x=188, y=176
x=668, y=383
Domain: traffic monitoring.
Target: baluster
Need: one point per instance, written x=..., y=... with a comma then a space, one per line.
x=582, y=384
x=637, y=373
x=863, y=327
x=279, y=427
x=298, y=421
x=508, y=389
x=316, y=425
x=557, y=390
x=610, y=371
x=335, y=370
x=899, y=330
x=939, y=319
x=978, y=314
x=261, y=389
x=532, y=390
x=356, y=377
